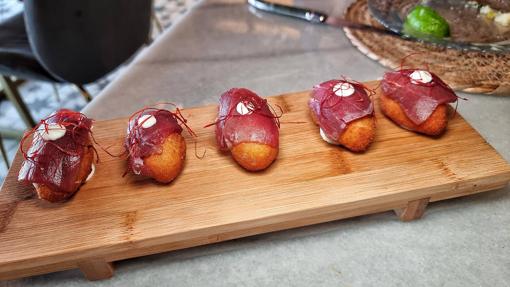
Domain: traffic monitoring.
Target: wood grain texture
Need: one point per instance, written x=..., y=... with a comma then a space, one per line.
x=96, y=269
x=413, y=210
x=114, y=217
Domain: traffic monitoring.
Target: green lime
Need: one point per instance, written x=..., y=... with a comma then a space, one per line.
x=424, y=21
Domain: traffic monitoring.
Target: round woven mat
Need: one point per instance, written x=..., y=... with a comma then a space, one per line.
x=471, y=72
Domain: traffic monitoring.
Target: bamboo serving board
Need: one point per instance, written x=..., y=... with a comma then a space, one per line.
x=113, y=217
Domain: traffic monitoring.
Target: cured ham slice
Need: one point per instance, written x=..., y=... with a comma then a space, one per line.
x=60, y=157
x=418, y=97
x=248, y=128
x=416, y=100
x=155, y=145
x=344, y=112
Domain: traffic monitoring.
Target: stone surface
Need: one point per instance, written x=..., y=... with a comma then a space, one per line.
x=222, y=44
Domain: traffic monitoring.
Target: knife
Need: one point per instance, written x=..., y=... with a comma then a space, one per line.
x=314, y=16
x=318, y=17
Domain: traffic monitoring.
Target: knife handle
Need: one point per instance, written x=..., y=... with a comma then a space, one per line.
x=309, y=15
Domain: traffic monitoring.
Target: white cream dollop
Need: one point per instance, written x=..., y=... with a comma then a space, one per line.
x=503, y=19
x=343, y=89
x=91, y=174
x=325, y=137
x=147, y=121
x=421, y=76
x=51, y=132
x=244, y=109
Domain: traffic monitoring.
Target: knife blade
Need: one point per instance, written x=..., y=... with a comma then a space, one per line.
x=315, y=16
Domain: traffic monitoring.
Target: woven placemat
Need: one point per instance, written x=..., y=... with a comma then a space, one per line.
x=471, y=72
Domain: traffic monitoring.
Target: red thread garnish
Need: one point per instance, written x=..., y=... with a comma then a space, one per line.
x=408, y=92
x=56, y=161
x=255, y=106
x=76, y=124
x=134, y=125
x=406, y=73
x=145, y=141
x=331, y=97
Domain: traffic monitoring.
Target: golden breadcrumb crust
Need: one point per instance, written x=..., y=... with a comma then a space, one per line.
x=358, y=134
x=167, y=165
x=254, y=156
x=434, y=125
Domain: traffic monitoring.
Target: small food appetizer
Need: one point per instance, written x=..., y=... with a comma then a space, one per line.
x=61, y=156
x=345, y=114
x=155, y=145
x=416, y=100
x=248, y=128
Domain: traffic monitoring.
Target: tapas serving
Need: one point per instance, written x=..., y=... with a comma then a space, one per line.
x=416, y=100
x=154, y=144
x=247, y=127
x=60, y=158
x=344, y=113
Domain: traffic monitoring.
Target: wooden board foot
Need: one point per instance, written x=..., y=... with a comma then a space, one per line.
x=413, y=210
x=96, y=269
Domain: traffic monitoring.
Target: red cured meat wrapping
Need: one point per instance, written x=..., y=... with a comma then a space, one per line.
x=257, y=125
x=56, y=163
x=334, y=112
x=143, y=142
x=418, y=100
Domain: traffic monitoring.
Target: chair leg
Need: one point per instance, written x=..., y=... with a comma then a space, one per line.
x=84, y=93
x=7, y=133
x=156, y=21
x=12, y=94
x=154, y=24
x=4, y=153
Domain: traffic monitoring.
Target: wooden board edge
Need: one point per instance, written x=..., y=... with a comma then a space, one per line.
x=134, y=250
x=194, y=242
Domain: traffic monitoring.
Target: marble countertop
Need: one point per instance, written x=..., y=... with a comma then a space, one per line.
x=222, y=44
